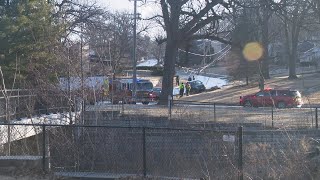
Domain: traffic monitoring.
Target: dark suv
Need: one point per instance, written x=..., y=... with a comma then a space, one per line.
x=272, y=97
x=196, y=87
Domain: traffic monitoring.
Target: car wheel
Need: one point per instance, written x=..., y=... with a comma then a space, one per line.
x=145, y=102
x=247, y=104
x=281, y=105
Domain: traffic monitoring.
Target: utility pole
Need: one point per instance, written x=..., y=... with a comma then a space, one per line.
x=113, y=77
x=134, y=76
x=82, y=76
x=69, y=87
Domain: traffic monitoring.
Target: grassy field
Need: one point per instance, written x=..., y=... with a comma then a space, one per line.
x=308, y=85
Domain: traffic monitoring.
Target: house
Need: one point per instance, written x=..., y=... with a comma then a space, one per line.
x=310, y=57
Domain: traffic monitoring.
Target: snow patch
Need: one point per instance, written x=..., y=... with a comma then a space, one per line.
x=149, y=63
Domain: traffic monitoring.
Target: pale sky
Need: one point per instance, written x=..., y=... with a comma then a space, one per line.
x=118, y=5
x=127, y=5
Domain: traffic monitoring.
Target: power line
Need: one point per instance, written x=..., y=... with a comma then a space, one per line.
x=206, y=55
x=198, y=70
x=216, y=60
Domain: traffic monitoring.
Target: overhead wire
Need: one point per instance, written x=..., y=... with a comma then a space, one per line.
x=205, y=55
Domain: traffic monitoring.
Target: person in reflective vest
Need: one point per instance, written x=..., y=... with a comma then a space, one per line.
x=181, y=89
x=188, y=88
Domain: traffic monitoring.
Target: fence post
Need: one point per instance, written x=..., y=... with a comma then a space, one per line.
x=169, y=106
x=214, y=112
x=240, y=163
x=316, y=118
x=272, y=118
x=122, y=107
x=44, y=148
x=144, y=152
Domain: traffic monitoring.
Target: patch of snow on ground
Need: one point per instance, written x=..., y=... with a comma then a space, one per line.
x=208, y=82
x=150, y=62
x=22, y=131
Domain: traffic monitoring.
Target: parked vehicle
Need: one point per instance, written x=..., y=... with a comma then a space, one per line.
x=155, y=94
x=122, y=91
x=272, y=97
x=196, y=87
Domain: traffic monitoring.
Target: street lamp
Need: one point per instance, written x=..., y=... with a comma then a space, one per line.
x=134, y=76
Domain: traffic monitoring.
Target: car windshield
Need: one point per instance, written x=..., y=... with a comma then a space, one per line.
x=196, y=83
x=157, y=89
x=295, y=94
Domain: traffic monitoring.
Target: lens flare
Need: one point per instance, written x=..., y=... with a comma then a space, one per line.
x=253, y=51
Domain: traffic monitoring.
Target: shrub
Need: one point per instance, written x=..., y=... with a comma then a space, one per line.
x=155, y=70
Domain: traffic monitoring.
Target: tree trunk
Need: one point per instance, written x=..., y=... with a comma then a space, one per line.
x=292, y=62
x=265, y=39
x=291, y=49
x=293, y=54
x=265, y=42
x=168, y=70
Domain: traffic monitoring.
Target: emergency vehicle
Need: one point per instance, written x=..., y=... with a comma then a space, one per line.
x=121, y=90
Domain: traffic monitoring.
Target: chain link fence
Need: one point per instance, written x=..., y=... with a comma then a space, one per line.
x=24, y=104
x=269, y=117
x=165, y=153
x=137, y=151
x=141, y=140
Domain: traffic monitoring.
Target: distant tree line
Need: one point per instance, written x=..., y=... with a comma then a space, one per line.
x=42, y=41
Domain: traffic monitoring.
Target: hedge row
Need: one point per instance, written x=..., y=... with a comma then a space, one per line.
x=155, y=70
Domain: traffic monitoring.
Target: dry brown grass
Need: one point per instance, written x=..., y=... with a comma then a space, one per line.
x=307, y=84
x=280, y=160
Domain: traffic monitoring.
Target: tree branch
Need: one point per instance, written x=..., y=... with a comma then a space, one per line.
x=198, y=17
x=201, y=24
x=165, y=12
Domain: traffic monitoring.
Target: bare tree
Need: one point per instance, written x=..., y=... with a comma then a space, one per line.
x=182, y=20
x=294, y=18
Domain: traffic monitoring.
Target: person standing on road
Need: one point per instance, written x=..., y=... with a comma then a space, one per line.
x=181, y=89
x=177, y=80
x=188, y=88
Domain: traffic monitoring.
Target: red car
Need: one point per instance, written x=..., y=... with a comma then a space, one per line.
x=272, y=97
x=155, y=94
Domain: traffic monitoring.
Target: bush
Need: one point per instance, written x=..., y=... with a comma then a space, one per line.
x=155, y=70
